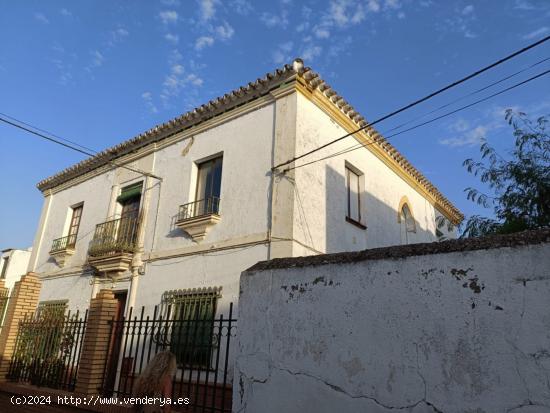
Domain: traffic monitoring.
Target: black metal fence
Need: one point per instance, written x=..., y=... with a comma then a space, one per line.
x=63, y=243
x=47, y=350
x=202, y=347
x=114, y=237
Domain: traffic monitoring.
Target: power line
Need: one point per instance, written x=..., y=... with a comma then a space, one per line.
x=358, y=146
x=48, y=132
x=475, y=92
x=67, y=145
x=418, y=101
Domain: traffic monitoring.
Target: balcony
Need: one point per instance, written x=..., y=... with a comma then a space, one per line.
x=197, y=217
x=113, y=245
x=62, y=248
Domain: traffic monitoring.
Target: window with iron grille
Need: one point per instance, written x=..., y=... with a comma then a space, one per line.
x=52, y=310
x=192, y=314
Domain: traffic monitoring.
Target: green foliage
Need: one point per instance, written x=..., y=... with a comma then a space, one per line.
x=520, y=185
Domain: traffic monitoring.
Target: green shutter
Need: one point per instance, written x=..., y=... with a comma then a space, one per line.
x=129, y=192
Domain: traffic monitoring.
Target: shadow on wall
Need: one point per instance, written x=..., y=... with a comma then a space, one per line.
x=381, y=220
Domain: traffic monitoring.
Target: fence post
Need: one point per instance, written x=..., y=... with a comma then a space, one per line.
x=23, y=302
x=95, y=348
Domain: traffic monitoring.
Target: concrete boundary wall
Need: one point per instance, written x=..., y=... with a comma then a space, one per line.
x=458, y=326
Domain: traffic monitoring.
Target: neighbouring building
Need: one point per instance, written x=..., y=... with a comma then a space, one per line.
x=175, y=214
x=13, y=265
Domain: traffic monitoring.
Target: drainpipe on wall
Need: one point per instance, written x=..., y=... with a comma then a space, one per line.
x=137, y=262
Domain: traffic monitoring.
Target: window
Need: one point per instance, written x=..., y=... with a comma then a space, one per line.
x=52, y=310
x=74, y=225
x=192, y=313
x=353, y=194
x=209, y=179
x=408, y=219
x=5, y=262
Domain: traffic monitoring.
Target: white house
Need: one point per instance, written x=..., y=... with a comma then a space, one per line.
x=13, y=265
x=179, y=211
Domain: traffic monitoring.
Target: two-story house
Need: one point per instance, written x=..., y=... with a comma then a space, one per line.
x=179, y=211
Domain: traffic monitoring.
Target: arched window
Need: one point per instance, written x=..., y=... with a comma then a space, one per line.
x=408, y=218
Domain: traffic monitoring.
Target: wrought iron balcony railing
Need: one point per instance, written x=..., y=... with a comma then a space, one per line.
x=206, y=206
x=114, y=237
x=63, y=243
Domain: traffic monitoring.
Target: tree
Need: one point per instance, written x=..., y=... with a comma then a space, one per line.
x=520, y=184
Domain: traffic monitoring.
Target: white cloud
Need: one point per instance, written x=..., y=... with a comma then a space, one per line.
x=170, y=2
x=41, y=18
x=523, y=5
x=224, y=31
x=401, y=15
x=468, y=9
x=282, y=53
x=312, y=51
x=194, y=80
x=172, y=38
x=321, y=32
x=65, y=12
x=148, y=99
x=471, y=138
x=168, y=16
x=207, y=9
x=204, y=41
x=373, y=5
x=536, y=33
x=243, y=7
x=97, y=58
x=275, y=20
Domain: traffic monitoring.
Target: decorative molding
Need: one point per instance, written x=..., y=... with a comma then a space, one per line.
x=198, y=227
x=254, y=95
x=113, y=266
x=61, y=256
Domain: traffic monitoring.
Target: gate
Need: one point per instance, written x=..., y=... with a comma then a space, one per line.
x=47, y=351
x=202, y=348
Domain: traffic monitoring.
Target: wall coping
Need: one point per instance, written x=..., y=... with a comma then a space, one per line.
x=532, y=237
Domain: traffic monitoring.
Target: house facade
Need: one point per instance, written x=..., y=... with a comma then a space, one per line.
x=178, y=212
x=13, y=265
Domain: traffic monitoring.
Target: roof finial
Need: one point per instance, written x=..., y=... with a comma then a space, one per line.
x=298, y=65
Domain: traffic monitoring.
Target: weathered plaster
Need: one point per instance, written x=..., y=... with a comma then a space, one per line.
x=462, y=330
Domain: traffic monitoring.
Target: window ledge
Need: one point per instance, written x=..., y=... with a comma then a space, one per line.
x=356, y=223
x=197, y=227
x=61, y=255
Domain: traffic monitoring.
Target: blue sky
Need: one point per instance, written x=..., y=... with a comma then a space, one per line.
x=102, y=72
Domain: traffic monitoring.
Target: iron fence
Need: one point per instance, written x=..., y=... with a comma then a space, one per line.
x=206, y=206
x=202, y=348
x=63, y=243
x=47, y=350
x=114, y=237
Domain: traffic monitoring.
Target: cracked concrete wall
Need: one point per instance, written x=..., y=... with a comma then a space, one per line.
x=465, y=331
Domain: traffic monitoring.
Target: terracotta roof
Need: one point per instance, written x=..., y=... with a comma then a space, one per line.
x=237, y=97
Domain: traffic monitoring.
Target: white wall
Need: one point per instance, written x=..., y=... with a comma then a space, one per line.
x=453, y=331
x=246, y=143
x=321, y=204
x=18, y=261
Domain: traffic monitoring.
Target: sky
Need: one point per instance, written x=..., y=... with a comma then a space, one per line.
x=100, y=72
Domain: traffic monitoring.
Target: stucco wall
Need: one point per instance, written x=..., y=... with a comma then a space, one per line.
x=18, y=261
x=459, y=326
x=320, y=202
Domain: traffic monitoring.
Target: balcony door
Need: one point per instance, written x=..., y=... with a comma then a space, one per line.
x=209, y=180
x=129, y=199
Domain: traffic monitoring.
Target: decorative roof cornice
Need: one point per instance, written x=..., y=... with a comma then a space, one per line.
x=253, y=90
x=231, y=100
x=314, y=83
